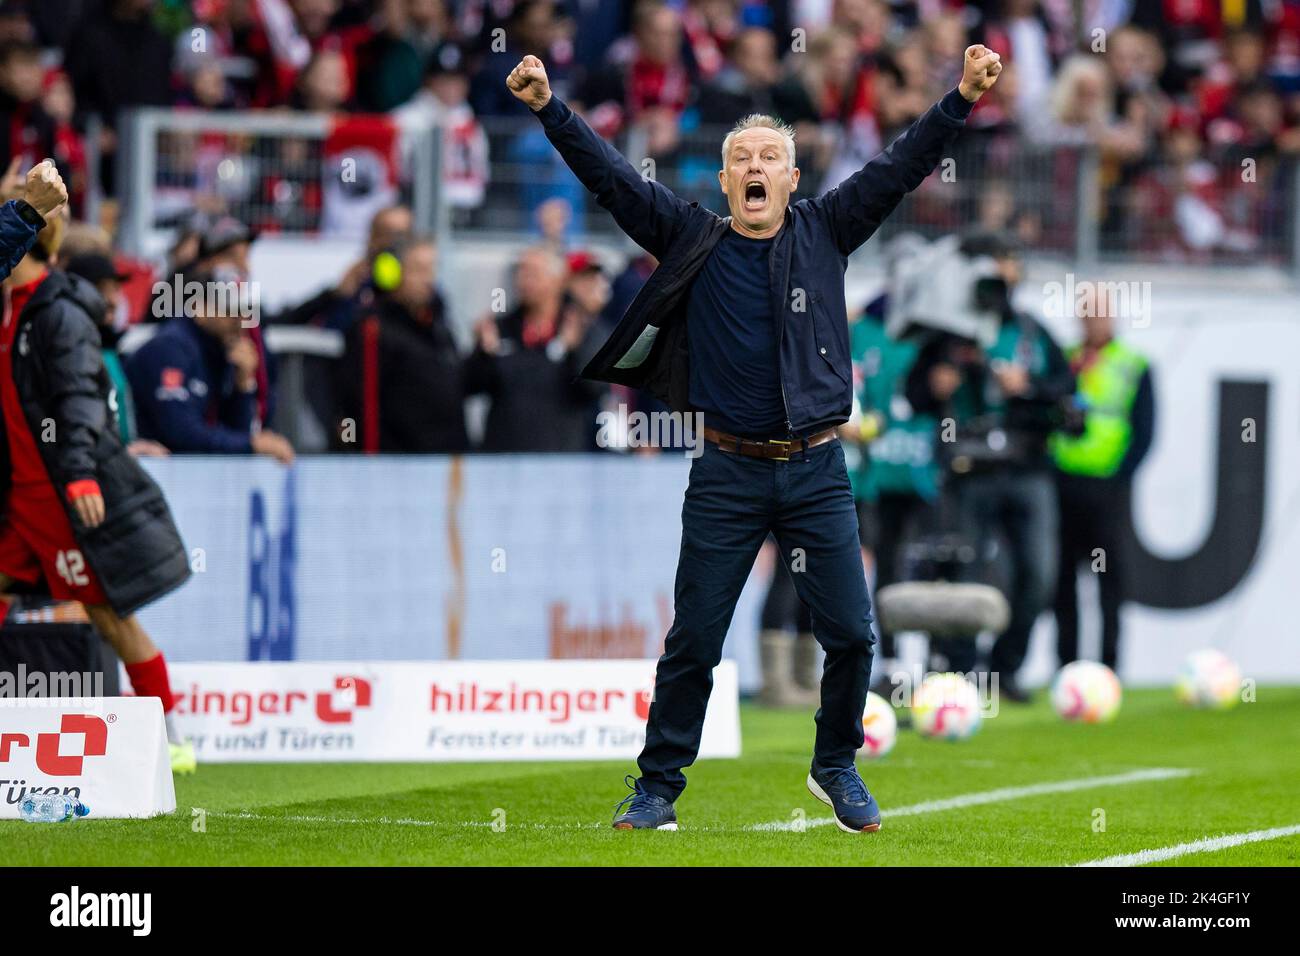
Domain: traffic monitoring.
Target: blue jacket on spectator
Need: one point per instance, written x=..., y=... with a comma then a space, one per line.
x=18, y=231
x=648, y=349
x=185, y=394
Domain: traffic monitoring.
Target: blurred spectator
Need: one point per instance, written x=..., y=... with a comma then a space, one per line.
x=291, y=34
x=83, y=238
x=69, y=147
x=195, y=382
x=117, y=58
x=444, y=99
x=533, y=27
x=323, y=85
x=1240, y=68
x=600, y=23
x=16, y=24
x=400, y=386
x=588, y=287
x=226, y=247
x=98, y=269
x=648, y=83
x=549, y=194
x=1177, y=207
x=1190, y=31
x=1020, y=33
x=29, y=132
x=829, y=102
x=397, y=58
x=338, y=306
x=553, y=219
x=745, y=85
x=528, y=362
x=212, y=59
x=1082, y=112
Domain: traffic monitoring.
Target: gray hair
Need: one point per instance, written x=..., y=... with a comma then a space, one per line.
x=761, y=121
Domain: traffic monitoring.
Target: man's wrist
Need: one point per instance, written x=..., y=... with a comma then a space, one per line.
x=552, y=113
x=956, y=105
x=968, y=94
x=29, y=214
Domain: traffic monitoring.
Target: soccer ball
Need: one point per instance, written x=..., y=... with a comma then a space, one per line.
x=946, y=706
x=879, y=727
x=1086, y=691
x=1209, y=678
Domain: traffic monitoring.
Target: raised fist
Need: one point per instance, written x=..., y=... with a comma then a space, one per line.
x=528, y=83
x=980, y=69
x=45, y=189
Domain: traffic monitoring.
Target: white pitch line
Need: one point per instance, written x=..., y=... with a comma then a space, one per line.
x=1000, y=795
x=290, y=818
x=1207, y=845
x=390, y=821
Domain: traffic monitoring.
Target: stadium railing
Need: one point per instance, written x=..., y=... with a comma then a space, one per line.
x=279, y=172
x=275, y=170
x=1062, y=201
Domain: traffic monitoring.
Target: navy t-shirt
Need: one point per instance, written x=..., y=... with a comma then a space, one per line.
x=732, y=336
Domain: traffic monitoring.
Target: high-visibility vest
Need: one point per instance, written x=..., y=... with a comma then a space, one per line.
x=1107, y=389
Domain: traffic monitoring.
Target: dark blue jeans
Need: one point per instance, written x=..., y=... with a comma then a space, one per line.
x=732, y=503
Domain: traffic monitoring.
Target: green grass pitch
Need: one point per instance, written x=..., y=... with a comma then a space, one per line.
x=1245, y=776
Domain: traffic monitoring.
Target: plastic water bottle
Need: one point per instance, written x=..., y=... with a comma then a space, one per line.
x=51, y=808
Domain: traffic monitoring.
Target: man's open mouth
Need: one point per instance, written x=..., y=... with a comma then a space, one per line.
x=755, y=195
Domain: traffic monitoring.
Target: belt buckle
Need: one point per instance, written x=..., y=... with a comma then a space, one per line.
x=779, y=441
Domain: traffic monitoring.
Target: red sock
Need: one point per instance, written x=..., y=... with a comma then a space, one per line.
x=149, y=679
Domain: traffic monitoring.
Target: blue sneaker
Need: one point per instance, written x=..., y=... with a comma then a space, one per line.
x=844, y=792
x=645, y=811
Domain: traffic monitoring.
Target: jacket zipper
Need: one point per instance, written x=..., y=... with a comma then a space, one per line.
x=780, y=337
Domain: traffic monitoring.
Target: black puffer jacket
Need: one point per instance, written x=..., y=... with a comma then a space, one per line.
x=59, y=375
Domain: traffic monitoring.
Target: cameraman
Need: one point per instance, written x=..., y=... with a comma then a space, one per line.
x=1008, y=394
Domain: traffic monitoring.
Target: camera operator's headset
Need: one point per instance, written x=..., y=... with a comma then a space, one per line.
x=386, y=270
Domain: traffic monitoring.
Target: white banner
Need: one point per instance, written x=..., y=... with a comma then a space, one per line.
x=110, y=753
x=432, y=711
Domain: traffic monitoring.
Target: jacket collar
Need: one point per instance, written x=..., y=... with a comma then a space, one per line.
x=84, y=295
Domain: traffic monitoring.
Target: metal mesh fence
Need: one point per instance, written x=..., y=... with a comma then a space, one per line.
x=1059, y=200
x=275, y=172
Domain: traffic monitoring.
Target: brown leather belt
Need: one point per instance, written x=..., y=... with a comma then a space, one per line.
x=773, y=450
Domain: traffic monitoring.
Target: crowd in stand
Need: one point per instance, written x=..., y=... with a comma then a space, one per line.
x=205, y=381
x=1179, y=95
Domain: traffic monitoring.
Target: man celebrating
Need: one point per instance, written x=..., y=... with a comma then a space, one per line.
x=745, y=321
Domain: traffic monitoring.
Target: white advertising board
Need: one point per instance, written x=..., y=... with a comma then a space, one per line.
x=110, y=753
x=432, y=711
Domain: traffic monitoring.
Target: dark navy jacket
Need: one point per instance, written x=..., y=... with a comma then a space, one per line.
x=17, y=235
x=648, y=348
x=185, y=395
